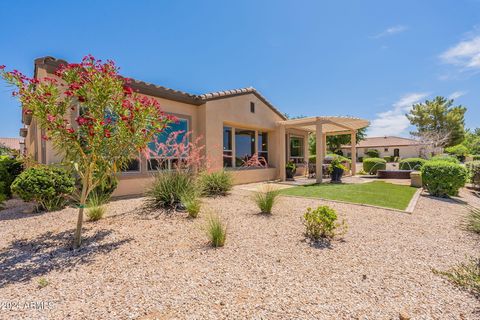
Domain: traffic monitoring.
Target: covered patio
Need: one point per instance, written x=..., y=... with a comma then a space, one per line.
x=322, y=127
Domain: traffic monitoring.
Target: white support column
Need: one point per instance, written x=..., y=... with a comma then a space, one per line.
x=319, y=152
x=282, y=152
x=353, y=151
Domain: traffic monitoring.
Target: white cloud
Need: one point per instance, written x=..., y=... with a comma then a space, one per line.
x=457, y=94
x=393, y=122
x=465, y=54
x=391, y=31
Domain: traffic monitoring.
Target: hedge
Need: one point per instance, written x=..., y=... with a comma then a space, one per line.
x=10, y=168
x=372, y=165
x=443, y=178
x=47, y=185
x=473, y=168
x=412, y=163
x=444, y=157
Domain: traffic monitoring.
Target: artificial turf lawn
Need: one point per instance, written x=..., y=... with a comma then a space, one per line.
x=377, y=193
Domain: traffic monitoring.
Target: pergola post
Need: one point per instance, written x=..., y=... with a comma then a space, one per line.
x=319, y=152
x=353, y=151
x=283, y=152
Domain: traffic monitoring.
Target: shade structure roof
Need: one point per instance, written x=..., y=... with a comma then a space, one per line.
x=330, y=124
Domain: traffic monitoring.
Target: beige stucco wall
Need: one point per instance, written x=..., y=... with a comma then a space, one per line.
x=205, y=121
x=405, y=151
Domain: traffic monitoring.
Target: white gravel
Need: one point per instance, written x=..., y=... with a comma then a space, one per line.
x=142, y=265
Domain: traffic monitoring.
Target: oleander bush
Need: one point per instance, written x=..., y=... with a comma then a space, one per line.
x=443, y=178
x=266, y=199
x=216, y=231
x=50, y=187
x=445, y=157
x=372, y=165
x=10, y=168
x=412, y=163
x=321, y=223
x=168, y=188
x=217, y=183
x=473, y=168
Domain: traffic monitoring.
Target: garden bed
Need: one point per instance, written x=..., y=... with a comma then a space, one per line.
x=139, y=265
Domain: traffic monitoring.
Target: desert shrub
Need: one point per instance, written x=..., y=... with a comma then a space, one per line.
x=443, y=178
x=192, y=204
x=459, y=151
x=2, y=200
x=372, y=153
x=372, y=165
x=360, y=159
x=216, y=231
x=95, y=206
x=389, y=158
x=466, y=275
x=322, y=223
x=49, y=186
x=10, y=168
x=411, y=163
x=473, y=168
x=169, y=187
x=472, y=221
x=217, y=183
x=445, y=157
x=104, y=190
x=266, y=199
x=476, y=157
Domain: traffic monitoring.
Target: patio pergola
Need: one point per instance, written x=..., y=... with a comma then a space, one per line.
x=323, y=127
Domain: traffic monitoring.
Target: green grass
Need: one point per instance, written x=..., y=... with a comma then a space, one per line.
x=377, y=193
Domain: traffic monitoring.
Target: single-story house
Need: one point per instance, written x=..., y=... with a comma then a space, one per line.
x=387, y=146
x=16, y=144
x=234, y=125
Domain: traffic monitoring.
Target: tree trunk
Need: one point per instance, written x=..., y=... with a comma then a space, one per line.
x=83, y=200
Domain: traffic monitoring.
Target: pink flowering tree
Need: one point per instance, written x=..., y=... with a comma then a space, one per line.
x=92, y=116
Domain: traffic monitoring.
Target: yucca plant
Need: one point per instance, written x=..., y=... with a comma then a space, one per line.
x=473, y=220
x=215, y=183
x=169, y=187
x=465, y=275
x=95, y=207
x=216, y=231
x=192, y=204
x=266, y=199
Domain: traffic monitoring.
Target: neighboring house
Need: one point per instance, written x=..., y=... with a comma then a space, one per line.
x=233, y=126
x=387, y=146
x=16, y=144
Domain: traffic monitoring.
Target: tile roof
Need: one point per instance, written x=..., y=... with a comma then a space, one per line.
x=387, y=141
x=11, y=143
x=51, y=64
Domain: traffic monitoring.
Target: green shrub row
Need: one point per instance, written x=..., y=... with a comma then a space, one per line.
x=372, y=165
x=443, y=178
x=10, y=168
x=473, y=168
x=411, y=163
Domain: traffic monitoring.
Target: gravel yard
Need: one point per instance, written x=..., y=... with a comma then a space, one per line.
x=138, y=265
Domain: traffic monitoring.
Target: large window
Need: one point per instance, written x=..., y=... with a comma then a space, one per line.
x=296, y=149
x=244, y=146
x=132, y=166
x=239, y=146
x=162, y=158
x=263, y=146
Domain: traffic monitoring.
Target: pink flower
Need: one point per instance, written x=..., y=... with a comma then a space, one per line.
x=70, y=130
x=2, y=67
x=127, y=90
x=50, y=118
x=81, y=121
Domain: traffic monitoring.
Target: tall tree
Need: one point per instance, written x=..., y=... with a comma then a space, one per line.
x=112, y=123
x=472, y=141
x=439, y=115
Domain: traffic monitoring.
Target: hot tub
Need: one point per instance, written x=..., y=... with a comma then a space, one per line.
x=394, y=174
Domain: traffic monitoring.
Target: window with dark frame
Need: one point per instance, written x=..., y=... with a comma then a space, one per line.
x=262, y=146
x=132, y=166
x=252, y=107
x=244, y=146
x=227, y=147
x=296, y=149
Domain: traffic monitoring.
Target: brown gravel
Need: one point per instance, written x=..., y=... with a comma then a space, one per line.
x=155, y=266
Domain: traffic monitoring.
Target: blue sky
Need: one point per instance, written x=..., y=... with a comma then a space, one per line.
x=370, y=59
